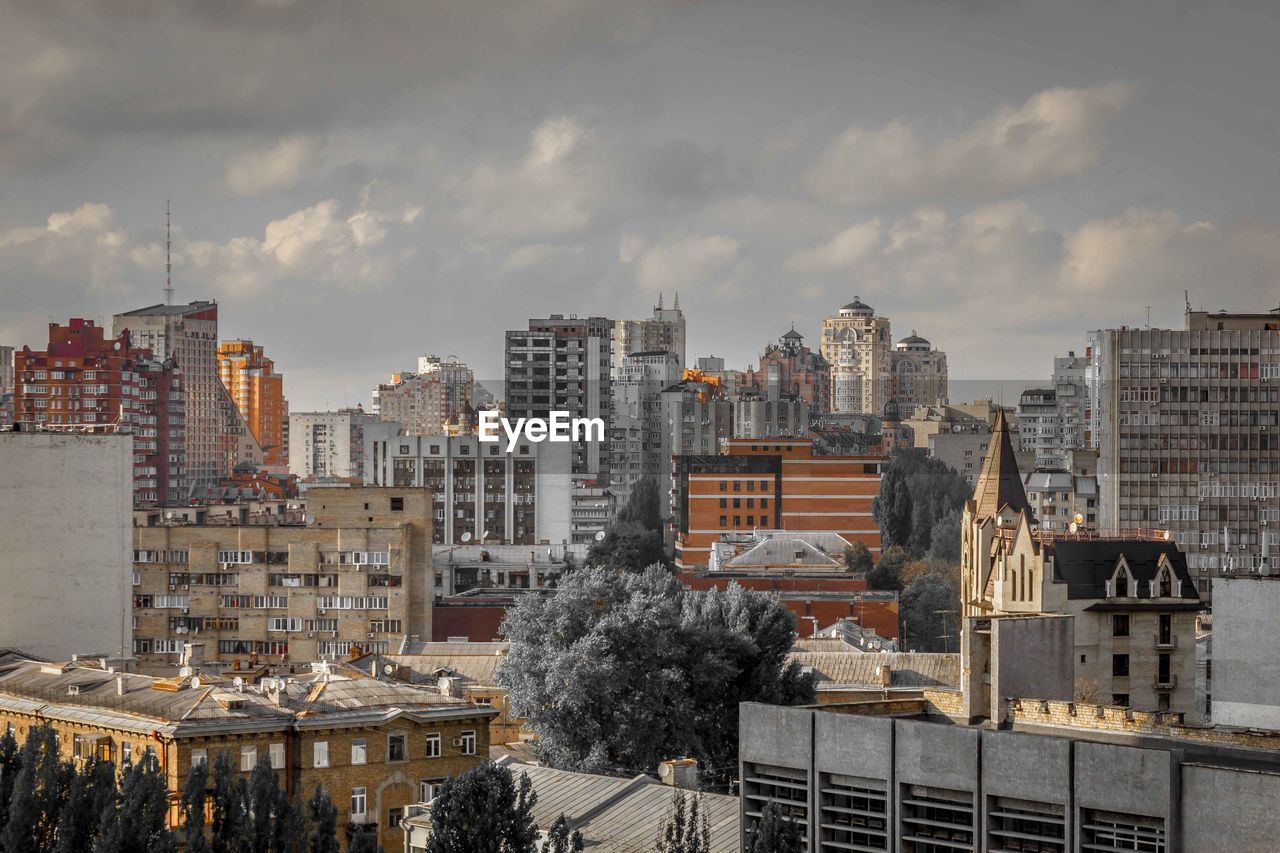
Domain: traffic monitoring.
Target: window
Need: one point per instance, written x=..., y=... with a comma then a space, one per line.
x=1120, y=666
x=276, y=751
x=320, y=753
x=1121, y=699
x=467, y=743
x=1120, y=625
x=428, y=789
x=199, y=756
x=397, y=749
x=248, y=757
x=126, y=753
x=359, y=752
x=358, y=801
x=1162, y=701
x=397, y=504
x=393, y=818
x=433, y=749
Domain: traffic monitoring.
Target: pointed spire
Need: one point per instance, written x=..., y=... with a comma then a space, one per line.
x=677, y=305
x=1000, y=484
x=659, y=300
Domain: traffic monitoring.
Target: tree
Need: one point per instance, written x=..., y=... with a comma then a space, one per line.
x=775, y=832
x=484, y=811
x=916, y=492
x=194, y=796
x=228, y=812
x=686, y=830
x=92, y=791
x=628, y=546
x=887, y=573
x=944, y=541
x=365, y=841
x=560, y=840
x=40, y=789
x=324, y=822
x=137, y=823
x=930, y=606
x=10, y=766
x=644, y=506
x=858, y=558
x=622, y=670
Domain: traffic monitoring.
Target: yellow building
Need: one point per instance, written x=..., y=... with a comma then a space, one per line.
x=377, y=747
x=258, y=392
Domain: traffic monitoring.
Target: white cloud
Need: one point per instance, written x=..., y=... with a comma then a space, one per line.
x=555, y=188
x=630, y=247
x=841, y=251
x=280, y=167
x=1056, y=133
x=690, y=261
x=536, y=255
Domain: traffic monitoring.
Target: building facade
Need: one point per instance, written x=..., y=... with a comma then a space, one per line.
x=422, y=402
x=67, y=502
x=84, y=381
x=328, y=444
x=1186, y=424
x=663, y=332
x=858, y=347
x=919, y=371
x=639, y=423
x=258, y=393
x=789, y=370
x=269, y=591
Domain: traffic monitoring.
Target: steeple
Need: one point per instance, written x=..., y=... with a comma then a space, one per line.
x=677, y=305
x=1000, y=484
x=659, y=300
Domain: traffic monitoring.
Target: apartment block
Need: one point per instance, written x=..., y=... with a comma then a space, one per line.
x=789, y=370
x=258, y=393
x=6, y=386
x=663, y=332
x=353, y=576
x=1054, y=421
x=1185, y=423
x=85, y=381
x=422, y=402
x=1058, y=497
x=857, y=346
x=794, y=485
x=328, y=445
x=643, y=448
x=561, y=364
x=377, y=747
x=66, y=500
x=217, y=438
x=477, y=490
x=919, y=373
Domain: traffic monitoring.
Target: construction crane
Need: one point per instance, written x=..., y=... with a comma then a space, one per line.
x=714, y=385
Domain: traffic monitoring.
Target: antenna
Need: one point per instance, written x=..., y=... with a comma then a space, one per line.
x=168, y=265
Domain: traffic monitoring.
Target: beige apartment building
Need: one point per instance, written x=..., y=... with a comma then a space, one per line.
x=857, y=344
x=355, y=575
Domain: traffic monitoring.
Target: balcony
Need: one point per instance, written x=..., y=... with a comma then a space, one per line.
x=1166, y=643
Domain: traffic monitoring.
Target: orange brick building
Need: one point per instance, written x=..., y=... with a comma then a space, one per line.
x=826, y=600
x=773, y=484
x=258, y=392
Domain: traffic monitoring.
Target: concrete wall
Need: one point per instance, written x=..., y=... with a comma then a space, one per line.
x=1246, y=665
x=1224, y=804
x=1129, y=780
x=66, y=518
x=1047, y=640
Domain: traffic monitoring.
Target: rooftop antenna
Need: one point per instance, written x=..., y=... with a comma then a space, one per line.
x=1186, y=297
x=168, y=265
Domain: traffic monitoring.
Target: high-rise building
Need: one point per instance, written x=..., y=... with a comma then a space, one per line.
x=1185, y=422
x=217, y=438
x=258, y=392
x=563, y=365
x=858, y=347
x=328, y=444
x=789, y=370
x=919, y=371
x=86, y=382
x=422, y=402
x=1052, y=422
x=638, y=413
x=6, y=386
x=663, y=332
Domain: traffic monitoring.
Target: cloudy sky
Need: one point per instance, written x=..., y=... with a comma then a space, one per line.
x=361, y=183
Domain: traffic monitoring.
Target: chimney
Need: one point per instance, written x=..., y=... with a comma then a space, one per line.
x=193, y=655
x=885, y=679
x=120, y=685
x=679, y=773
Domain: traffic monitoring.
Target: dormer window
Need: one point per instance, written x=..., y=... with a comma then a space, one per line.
x=1162, y=585
x=1122, y=583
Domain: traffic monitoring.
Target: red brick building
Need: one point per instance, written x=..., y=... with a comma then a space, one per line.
x=826, y=600
x=85, y=381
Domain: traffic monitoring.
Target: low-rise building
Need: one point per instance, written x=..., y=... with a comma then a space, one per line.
x=376, y=746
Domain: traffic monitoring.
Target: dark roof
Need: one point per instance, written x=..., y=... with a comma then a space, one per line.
x=1085, y=565
x=792, y=335
x=1000, y=484
x=156, y=310
x=913, y=338
x=856, y=305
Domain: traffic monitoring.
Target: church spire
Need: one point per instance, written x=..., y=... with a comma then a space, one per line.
x=659, y=300
x=1000, y=484
x=677, y=305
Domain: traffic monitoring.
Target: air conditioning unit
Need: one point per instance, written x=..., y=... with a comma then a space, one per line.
x=186, y=586
x=310, y=634
x=185, y=611
x=457, y=741
x=369, y=635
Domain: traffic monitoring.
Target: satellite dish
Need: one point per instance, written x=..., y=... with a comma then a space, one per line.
x=184, y=672
x=169, y=516
x=466, y=537
x=1073, y=527
x=309, y=518
x=484, y=535
x=195, y=683
x=600, y=536
x=388, y=669
x=1079, y=518
x=238, y=681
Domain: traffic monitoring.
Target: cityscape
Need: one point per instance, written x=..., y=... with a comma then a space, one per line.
x=654, y=427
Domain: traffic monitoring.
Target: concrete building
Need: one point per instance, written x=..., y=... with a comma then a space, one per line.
x=663, y=332
x=789, y=370
x=919, y=373
x=731, y=381
x=377, y=747
x=639, y=420
x=757, y=417
x=84, y=381
x=217, y=438
x=1053, y=422
x=329, y=444
x=66, y=501
x=1185, y=422
x=564, y=365
x=6, y=386
x=1130, y=597
x=422, y=402
x=270, y=591
x=478, y=491
x=776, y=484
x=1244, y=679
x=1058, y=497
x=258, y=393
x=858, y=345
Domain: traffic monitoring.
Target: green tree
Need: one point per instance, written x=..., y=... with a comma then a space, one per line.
x=944, y=541
x=324, y=822
x=10, y=766
x=644, y=506
x=629, y=546
x=227, y=824
x=365, y=841
x=561, y=840
x=40, y=789
x=195, y=792
x=916, y=492
x=622, y=670
x=137, y=824
x=686, y=830
x=887, y=573
x=858, y=558
x=92, y=790
x=774, y=832
x=484, y=811
x=930, y=606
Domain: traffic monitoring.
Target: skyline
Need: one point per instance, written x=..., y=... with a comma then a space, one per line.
x=359, y=191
